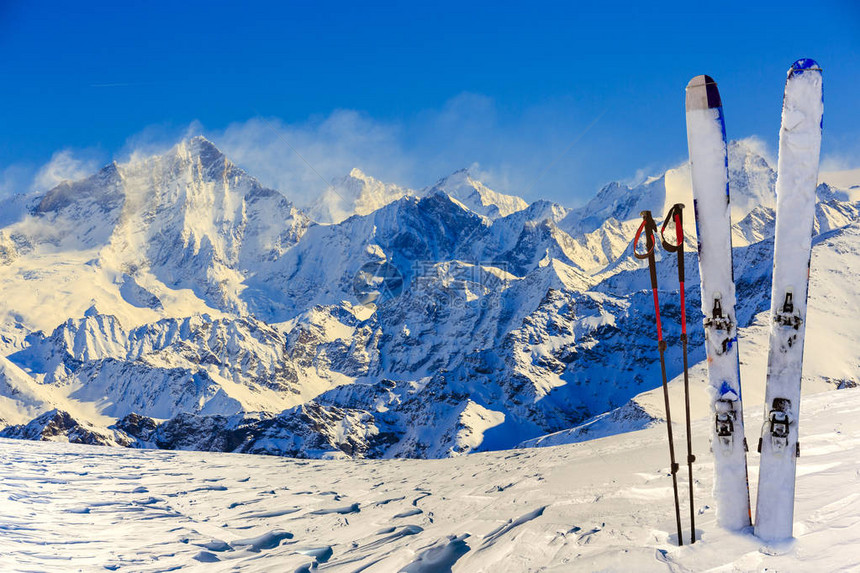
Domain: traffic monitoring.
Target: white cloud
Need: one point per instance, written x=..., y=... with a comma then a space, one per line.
x=64, y=165
x=536, y=154
x=838, y=162
x=302, y=159
x=760, y=146
x=639, y=177
x=557, y=150
x=16, y=178
x=155, y=140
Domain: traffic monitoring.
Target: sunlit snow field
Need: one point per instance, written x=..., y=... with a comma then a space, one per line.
x=600, y=505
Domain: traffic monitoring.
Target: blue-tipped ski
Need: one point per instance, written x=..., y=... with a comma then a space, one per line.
x=797, y=178
x=706, y=138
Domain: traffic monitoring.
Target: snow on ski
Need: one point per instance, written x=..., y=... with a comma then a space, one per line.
x=706, y=139
x=797, y=175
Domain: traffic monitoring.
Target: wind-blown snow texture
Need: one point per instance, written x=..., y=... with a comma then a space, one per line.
x=602, y=505
x=175, y=302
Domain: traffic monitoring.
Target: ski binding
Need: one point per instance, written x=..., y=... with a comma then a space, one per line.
x=725, y=423
x=787, y=315
x=779, y=421
x=719, y=322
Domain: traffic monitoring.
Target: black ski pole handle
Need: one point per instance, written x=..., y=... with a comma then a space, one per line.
x=650, y=227
x=676, y=214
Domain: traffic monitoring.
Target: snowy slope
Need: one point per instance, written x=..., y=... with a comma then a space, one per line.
x=602, y=505
x=21, y=399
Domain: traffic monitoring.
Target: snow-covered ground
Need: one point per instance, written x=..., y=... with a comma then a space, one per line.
x=176, y=303
x=599, y=505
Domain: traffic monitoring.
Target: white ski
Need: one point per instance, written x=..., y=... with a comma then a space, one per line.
x=797, y=177
x=706, y=139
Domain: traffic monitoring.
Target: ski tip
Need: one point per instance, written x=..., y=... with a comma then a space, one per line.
x=702, y=93
x=803, y=65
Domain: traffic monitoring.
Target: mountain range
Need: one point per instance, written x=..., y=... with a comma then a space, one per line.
x=176, y=302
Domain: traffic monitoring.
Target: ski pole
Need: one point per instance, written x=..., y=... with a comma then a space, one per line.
x=676, y=214
x=650, y=227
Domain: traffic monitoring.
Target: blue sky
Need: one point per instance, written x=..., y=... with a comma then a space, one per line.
x=546, y=100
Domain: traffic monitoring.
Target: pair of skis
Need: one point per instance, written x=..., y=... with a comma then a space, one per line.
x=649, y=227
x=797, y=174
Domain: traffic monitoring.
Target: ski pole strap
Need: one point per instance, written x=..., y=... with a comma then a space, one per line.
x=675, y=214
x=650, y=227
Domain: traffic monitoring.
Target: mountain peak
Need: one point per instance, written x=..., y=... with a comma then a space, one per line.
x=201, y=142
x=750, y=147
x=92, y=311
x=357, y=173
x=459, y=177
x=752, y=178
x=200, y=147
x=354, y=194
x=476, y=196
x=102, y=186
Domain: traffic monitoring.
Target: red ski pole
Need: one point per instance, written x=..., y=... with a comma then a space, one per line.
x=676, y=214
x=650, y=227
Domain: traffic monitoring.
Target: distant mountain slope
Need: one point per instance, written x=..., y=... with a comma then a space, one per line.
x=175, y=302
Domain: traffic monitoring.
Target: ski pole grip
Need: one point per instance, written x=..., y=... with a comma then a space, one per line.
x=675, y=215
x=650, y=227
x=679, y=229
x=679, y=233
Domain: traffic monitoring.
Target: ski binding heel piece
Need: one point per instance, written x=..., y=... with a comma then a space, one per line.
x=725, y=423
x=779, y=422
x=717, y=320
x=786, y=316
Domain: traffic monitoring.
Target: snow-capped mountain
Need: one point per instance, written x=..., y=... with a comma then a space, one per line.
x=355, y=194
x=477, y=197
x=175, y=302
x=361, y=194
